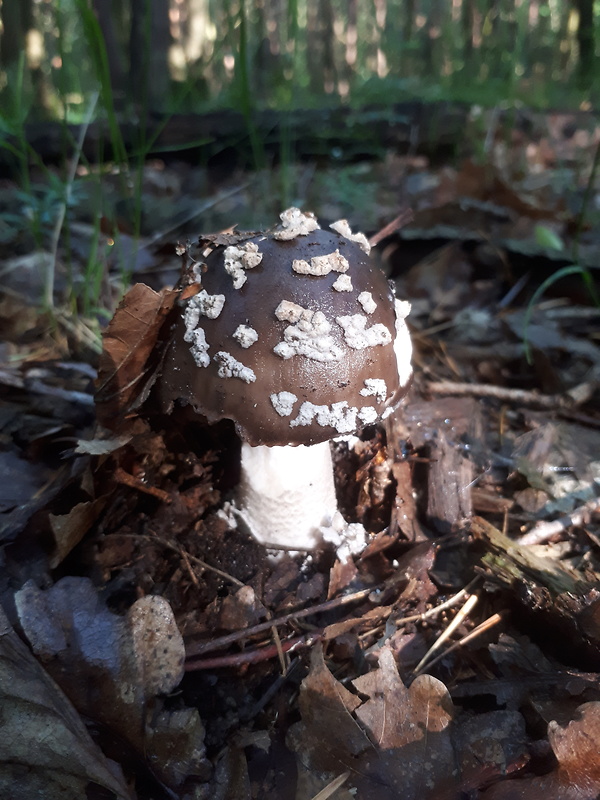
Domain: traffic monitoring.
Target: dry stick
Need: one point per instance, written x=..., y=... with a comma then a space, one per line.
x=135, y=483
x=278, y=649
x=50, y=272
x=458, y=619
x=403, y=218
x=270, y=693
x=255, y=656
x=195, y=649
x=452, y=601
x=332, y=787
x=529, y=398
x=284, y=662
x=36, y=386
x=482, y=628
x=543, y=531
x=201, y=563
x=186, y=560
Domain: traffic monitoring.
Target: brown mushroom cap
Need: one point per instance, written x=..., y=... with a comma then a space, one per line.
x=261, y=356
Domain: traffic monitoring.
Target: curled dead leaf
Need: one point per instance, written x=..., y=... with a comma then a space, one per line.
x=128, y=343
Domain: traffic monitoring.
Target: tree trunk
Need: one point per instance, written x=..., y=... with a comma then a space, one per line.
x=585, y=40
x=149, y=53
x=114, y=51
x=16, y=21
x=329, y=70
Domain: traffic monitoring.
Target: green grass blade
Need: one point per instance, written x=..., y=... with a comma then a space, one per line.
x=564, y=272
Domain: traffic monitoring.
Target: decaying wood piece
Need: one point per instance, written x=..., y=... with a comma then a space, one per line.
x=405, y=512
x=508, y=563
x=565, y=601
x=443, y=429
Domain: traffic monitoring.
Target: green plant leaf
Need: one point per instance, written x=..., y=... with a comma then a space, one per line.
x=548, y=239
x=574, y=269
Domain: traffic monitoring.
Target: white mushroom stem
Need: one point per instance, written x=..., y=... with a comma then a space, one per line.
x=402, y=342
x=286, y=494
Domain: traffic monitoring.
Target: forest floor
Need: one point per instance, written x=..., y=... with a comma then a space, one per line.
x=152, y=649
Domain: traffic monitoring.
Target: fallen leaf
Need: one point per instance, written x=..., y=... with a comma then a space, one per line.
x=489, y=744
x=395, y=744
x=325, y=707
x=411, y=728
x=45, y=749
x=69, y=529
x=577, y=776
x=128, y=343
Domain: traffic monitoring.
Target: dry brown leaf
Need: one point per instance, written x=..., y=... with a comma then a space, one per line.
x=395, y=744
x=411, y=728
x=372, y=616
x=396, y=741
x=127, y=345
x=328, y=738
x=45, y=749
x=489, y=744
x=577, y=776
x=484, y=182
x=69, y=529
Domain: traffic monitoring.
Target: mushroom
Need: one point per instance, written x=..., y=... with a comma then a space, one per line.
x=296, y=336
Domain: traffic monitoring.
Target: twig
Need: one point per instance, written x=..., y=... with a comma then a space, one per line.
x=196, y=648
x=464, y=612
x=331, y=788
x=275, y=686
x=253, y=656
x=452, y=601
x=432, y=612
x=482, y=628
x=490, y=134
x=503, y=393
x=403, y=218
x=543, y=531
x=135, y=483
x=186, y=560
x=50, y=272
x=284, y=661
x=81, y=331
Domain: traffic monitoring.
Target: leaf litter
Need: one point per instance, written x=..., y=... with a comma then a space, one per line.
x=167, y=656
